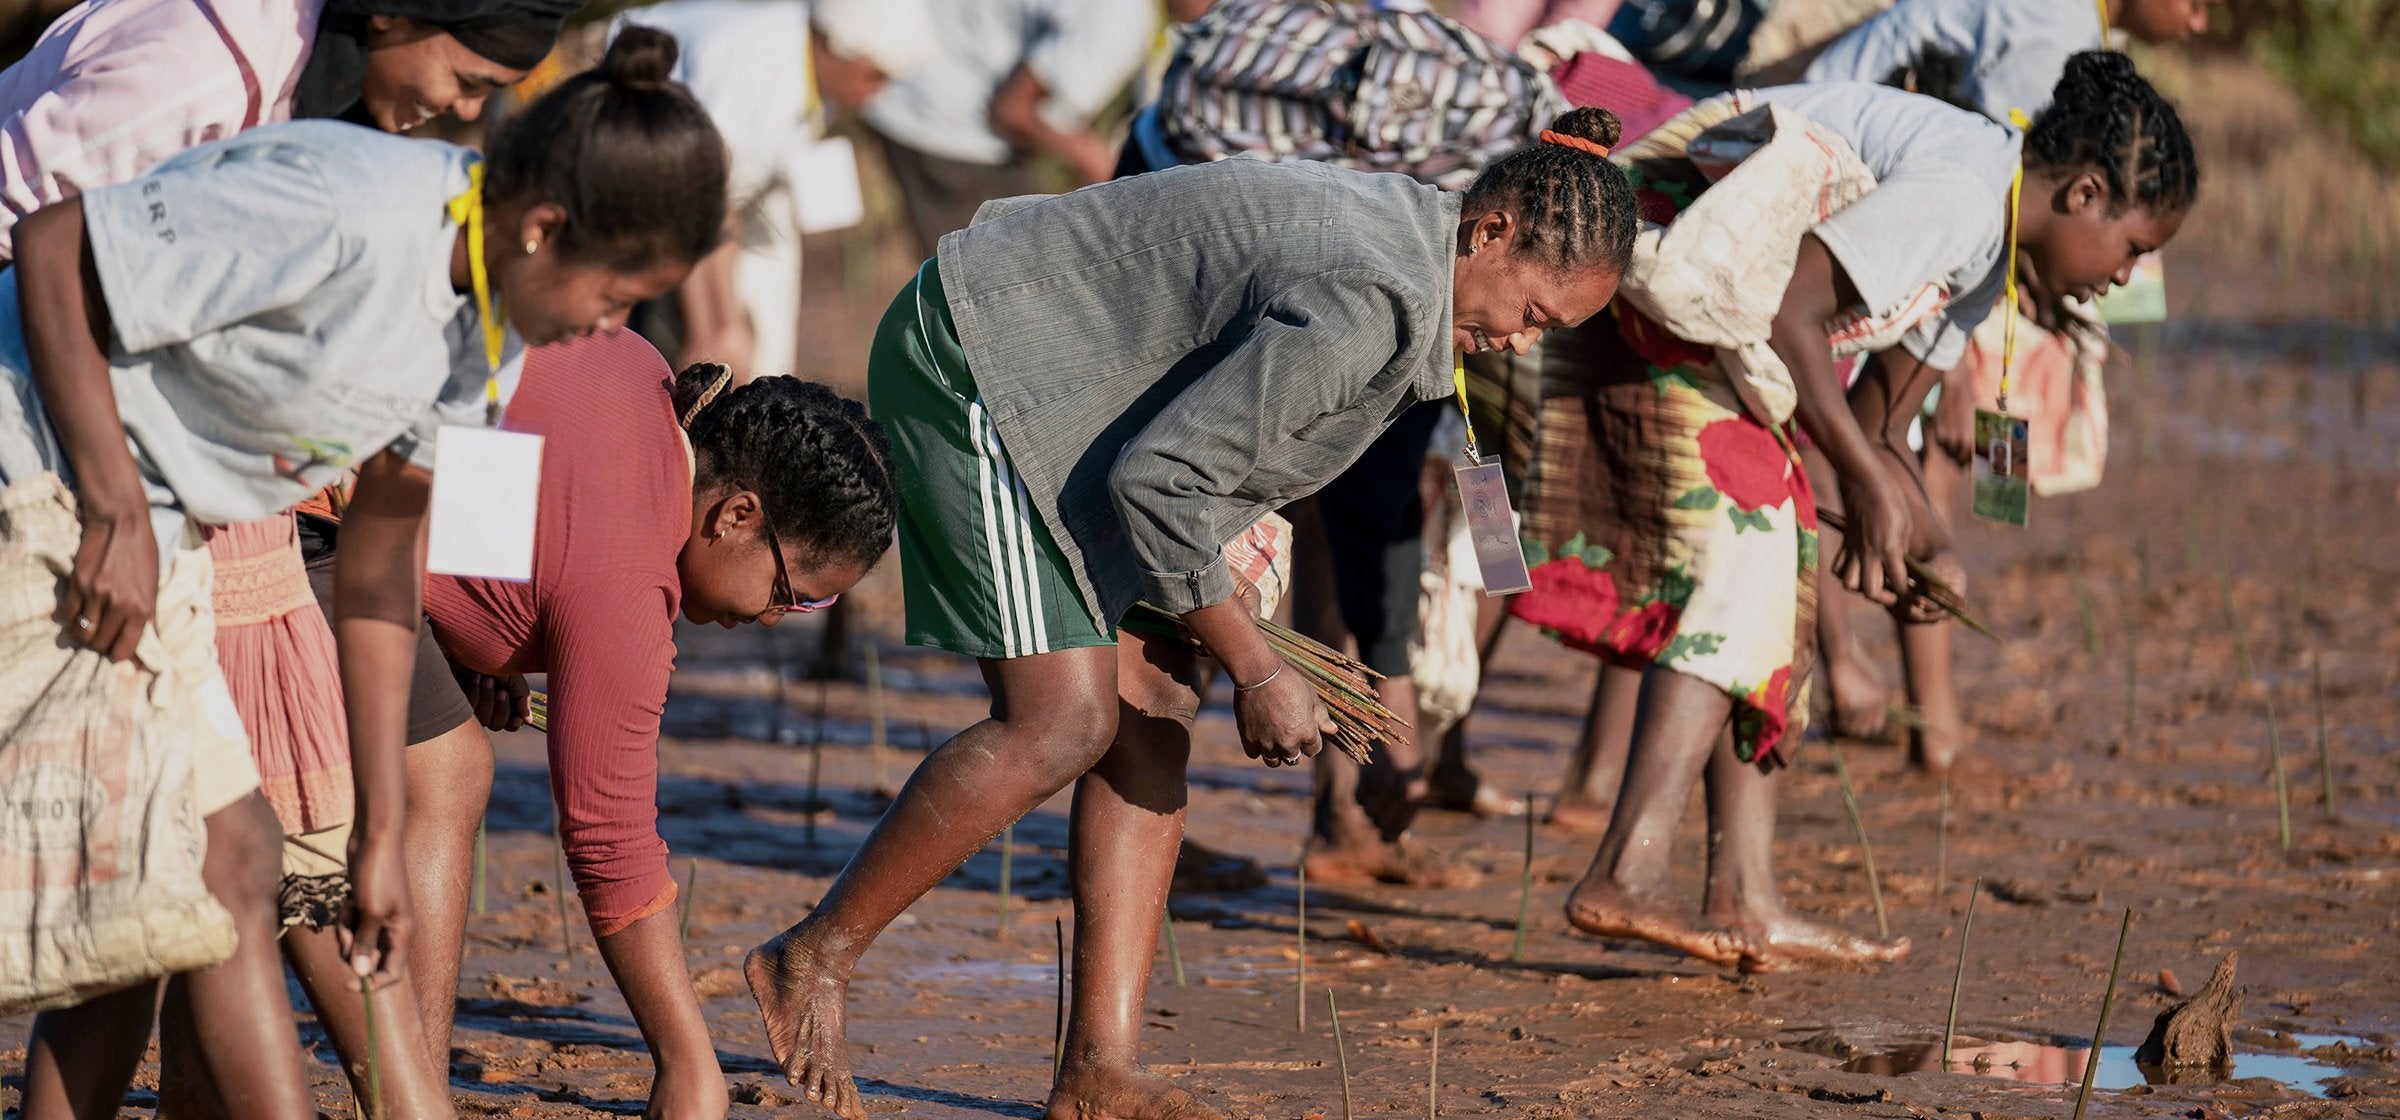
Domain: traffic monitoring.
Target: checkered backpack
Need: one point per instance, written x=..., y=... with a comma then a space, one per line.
x=1409, y=92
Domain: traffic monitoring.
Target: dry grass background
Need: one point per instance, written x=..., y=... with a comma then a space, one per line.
x=2281, y=189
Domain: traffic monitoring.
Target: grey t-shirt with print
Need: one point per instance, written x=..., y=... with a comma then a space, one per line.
x=283, y=310
x=1938, y=213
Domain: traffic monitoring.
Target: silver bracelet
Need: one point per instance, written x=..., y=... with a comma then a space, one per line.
x=1270, y=679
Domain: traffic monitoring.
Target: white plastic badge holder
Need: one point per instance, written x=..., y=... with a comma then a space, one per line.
x=486, y=483
x=825, y=186
x=1492, y=527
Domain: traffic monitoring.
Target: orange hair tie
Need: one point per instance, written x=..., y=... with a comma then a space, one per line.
x=1552, y=136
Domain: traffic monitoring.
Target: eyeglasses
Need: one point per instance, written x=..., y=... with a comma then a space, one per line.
x=785, y=601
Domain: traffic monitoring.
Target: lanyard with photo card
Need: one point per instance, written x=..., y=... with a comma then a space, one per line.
x=1491, y=524
x=488, y=481
x=2002, y=475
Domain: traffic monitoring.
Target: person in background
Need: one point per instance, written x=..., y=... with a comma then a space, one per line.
x=769, y=72
x=1688, y=561
x=1509, y=21
x=1988, y=56
x=1992, y=56
x=1007, y=80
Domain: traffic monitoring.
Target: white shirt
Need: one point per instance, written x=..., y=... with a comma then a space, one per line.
x=1083, y=51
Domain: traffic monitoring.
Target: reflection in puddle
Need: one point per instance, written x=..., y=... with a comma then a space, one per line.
x=2038, y=1064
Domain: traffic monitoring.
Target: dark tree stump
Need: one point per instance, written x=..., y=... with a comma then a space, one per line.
x=2198, y=1031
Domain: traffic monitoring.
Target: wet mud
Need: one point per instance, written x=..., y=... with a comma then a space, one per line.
x=2254, y=488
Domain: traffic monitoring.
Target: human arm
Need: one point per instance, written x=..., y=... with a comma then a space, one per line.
x=114, y=587
x=1270, y=417
x=1872, y=560
x=716, y=327
x=378, y=584
x=609, y=641
x=1016, y=114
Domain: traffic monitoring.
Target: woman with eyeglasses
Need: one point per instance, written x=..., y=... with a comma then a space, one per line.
x=790, y=501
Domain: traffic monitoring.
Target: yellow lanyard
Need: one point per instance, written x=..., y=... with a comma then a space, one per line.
x=467, y=211
x=1458, y=377
x=2008, y=322
x=2103, y=6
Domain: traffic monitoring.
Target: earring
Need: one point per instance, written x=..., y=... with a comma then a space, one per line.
x=531, y=245
x=1474, y=249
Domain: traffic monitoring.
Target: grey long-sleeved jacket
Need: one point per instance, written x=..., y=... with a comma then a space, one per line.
x=1171, y=356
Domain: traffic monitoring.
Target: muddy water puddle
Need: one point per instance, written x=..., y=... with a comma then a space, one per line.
x=2037, y=1063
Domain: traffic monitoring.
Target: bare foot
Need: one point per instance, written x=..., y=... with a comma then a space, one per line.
x=801, y=998
x=1786, y=939
x=1934, y=744
x=1470, y=794
x=1577, y=815
x=1862, y=704
x=1604, y=910
x=1106, y=1093
x=1393, y=864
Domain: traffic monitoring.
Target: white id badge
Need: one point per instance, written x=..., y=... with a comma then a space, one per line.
x=485, y=486
x=825, y=187
x=1492, y=527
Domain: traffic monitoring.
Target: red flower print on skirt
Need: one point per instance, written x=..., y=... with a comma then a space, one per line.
x=1643, y=633
x=1570, y=598
x=1745, y=463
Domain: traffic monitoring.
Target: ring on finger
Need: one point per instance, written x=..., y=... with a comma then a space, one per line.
x=83, y=624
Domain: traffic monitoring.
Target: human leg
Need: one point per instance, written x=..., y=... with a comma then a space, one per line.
x=449, y=786
x=1589, y=794
x=1128, y=820
x=1053, y=716
x=1861, y=700
x=234, y=1016
x=1742, y=896
x=81, y=1058
x=1679, y=723
x=1926, y=647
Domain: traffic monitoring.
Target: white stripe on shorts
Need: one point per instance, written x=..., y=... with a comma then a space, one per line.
x=1008, y=531
x=991, y=523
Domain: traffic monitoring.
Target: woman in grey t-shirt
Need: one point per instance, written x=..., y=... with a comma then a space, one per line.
x=1703, y=542
x=214, y=341
x=1088, y=396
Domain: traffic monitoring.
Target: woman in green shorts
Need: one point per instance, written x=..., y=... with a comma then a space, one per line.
x=1087, y=396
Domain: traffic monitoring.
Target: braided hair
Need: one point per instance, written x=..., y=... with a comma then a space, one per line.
x=820, y=467
x=626, y=151
x=1574, y=208
x=2104, y=116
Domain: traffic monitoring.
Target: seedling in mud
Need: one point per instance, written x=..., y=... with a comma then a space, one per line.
x=875, y=742
x=1433, y=1077
x=1300, y=978
x=1166, y=921
x=366, y=1002
x=2316, y=668
x=566, y=932
x=1883, y=926
x=2283, y=793
x=691, y=895
x=1516, y=949
x=476, y=891
x=816, y=760
x=2108, y=999
x=1341, y=1057
x=1058, y=1011
x=1959, y=977
x=1008, y=874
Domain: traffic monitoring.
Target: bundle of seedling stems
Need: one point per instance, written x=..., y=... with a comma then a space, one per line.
x=1345, y=687
x=1923, y=583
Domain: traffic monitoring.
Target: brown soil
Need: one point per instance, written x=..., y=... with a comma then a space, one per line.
x=2252, y=463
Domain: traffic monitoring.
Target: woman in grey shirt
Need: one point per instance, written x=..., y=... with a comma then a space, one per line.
x=1088, y=395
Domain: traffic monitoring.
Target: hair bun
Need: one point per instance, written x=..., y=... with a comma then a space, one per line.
x=640, y=58
x=2095, y=74
x=1589, y=123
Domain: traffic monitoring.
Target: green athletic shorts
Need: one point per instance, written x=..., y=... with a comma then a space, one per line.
x=980, y=572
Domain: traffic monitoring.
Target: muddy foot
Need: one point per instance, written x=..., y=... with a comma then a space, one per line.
x=1934, y=745
x=1095, y=1093
x=1579, y=816
x=1393, y=864
x=1200, y=870
x=1783, y=941
x=1862, y=705
x=801, y=999
x=1472, y=795
x=1606, y=911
